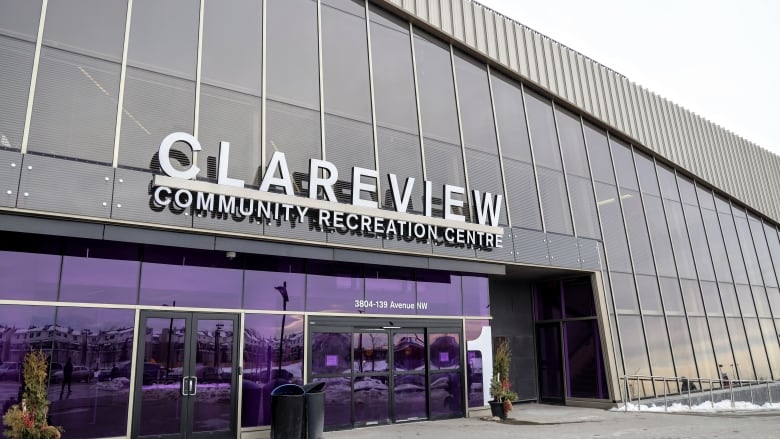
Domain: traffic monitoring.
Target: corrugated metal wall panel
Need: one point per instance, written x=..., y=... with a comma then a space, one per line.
x=10, y=168
x=671, y=131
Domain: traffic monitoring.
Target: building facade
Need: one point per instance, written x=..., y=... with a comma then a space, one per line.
x=200, y=201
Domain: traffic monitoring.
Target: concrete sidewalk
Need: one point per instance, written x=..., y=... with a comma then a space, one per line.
x=545, y=421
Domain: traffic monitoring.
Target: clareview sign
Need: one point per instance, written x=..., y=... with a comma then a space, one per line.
x=275, y=200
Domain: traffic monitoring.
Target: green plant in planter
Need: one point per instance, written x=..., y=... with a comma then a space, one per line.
x=28, y=419
x=500, y=387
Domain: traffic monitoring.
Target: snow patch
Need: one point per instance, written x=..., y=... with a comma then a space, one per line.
x=705, y=407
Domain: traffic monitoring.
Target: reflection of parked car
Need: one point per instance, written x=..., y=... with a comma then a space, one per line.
x=10, y=371
x=151, y=372
x=80, y=373
x=54, y=368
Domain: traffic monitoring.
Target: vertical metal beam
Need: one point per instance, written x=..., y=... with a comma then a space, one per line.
x=533, y=159
x=460, y=131
x=34, y=77
x=417, y=99
x=322, y=88
x=373, y=101
x=498, y=144
x=122, y=79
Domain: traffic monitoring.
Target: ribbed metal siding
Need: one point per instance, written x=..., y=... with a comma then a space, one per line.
x=10, y=167
x=695, y=143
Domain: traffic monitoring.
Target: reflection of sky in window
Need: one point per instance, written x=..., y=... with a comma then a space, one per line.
x=94, y=319
x=260, y=292
x=28, y=276
x=20, y=316
x=190, y=286
x=99, y=280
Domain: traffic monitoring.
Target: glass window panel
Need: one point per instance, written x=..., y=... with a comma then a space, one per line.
x=612, y=223
x=548, y=300
x=164, y=37
x=444, y=163
x=705, y=197
x=476, y=296
x=702, y=346
x=748, y=251
x=625, y=293
x=670, y=291
x=667, y=182
x=476, y=114
x=20, y=18
x=681, y=347
x=409, y=352
x=206, y=287
x=96, y=280
x=772, y=346
x=371, y=352
x=331, y=353
x=522, y=196
x=638, y=239
x=29, y=276
x=232, y=45
x=738, y=211
x=391, y=55
x=711, y=297
x=446, y=395
x=578, y=298
x=544, y=138
x=659, y=236
x=445, y=351
x=720, y=336
x=74, y=113
x=745, y=297
x=764, y=258
x=474, y=366
x=292, y=55
x=649, y=295
x=409, y=397
x=512, y=128
x=701, y=249
x=583, y=204
x=90, y=27
x=728, y=297
x=733, y=251
x=437, y=91
x=263, y=370
x=294, y=131
x=555, y=206
x=658, y=345
x=633, y=341
x=400, y=154
x=645, y=169
x=722, y=205
x=692, y=297
x=743, y=367
x=96, y=343
x=679, y=234
x=757, y=349
x=774, y=248
x=266, y=281
x=761, y=301
x=624, y=164
x=717, y=247
x=485, y=176
x=687, y=190
x=384, y=287
x=345, y=59
x=774, y=300
x=372, y=400
x=334, y=288
x=338, y=394
x=600, y=158
x=575, y=156
x=585, y=377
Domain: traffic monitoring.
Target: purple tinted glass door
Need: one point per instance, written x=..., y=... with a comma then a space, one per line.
x=214, y=365
x=372, y=380
x=446, y=389
x=548, y=338
x=331, y=363
x=409, y=367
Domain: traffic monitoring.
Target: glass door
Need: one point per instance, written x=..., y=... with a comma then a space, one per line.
x=548, y=342
x=186, y=375
x=410, y=400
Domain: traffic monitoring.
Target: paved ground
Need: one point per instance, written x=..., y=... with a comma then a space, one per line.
x=544, y=421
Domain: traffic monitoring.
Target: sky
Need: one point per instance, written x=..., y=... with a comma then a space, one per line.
x=716, y=58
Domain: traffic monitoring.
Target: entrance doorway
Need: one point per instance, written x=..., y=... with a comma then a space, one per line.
x=185, y=375
x=387, y=372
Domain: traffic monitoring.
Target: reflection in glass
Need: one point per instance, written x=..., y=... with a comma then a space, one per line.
x=409, y=393
x=330, y=353
x=442, y=291
x=474, y=366
x=371, y=399
x=269, y=361
x=371, y=353
x=476, y=297
x=409, y=352
x=214, y=371
x=585, y=373
x=99, y=280
x=445, y=351
x=205, y=287
x=29, y=276
x=446, y=395
x=338, y=401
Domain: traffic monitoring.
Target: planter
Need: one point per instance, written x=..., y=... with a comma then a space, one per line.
x=497, y=409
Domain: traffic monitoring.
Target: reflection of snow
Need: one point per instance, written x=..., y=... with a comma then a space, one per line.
x=706, y=406
x=120, y=383
x=368, y=384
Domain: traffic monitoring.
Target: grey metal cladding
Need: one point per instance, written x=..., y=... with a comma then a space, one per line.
x=664, y=128
x=158, y=237
x=293, y=230
x=454, y=250
x=55, y=185
x=15, y=71
x=133, y=201
x=407, y=245
x=505, y=253
x=10, y=169
x=50, y=226
x=236, y=223
x=589, y=254
x=530, y=247
x=564, y=251
x=354, y=239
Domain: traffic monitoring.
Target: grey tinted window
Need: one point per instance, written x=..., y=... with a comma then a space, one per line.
x=745, y=298
x=687, y=190
x=638, y=238
x=600, y=160
x=743, y=366
x=444, y=163
x=348, y=143
x=15, y=71
x=692, y=297
x=633, y=341
x=659, y=236
x=74, y=112
x=399, y=154
x=555, y=206
x=437, y=92
x=702, y=346
x=476, y=113
x=748, y=251
x=733, y=251
x=681, y=346
x=701, y=251
x=521, y=195
x=90, y=27
x=624, y=164
x=645, y=169
x=345, y=60
x=485, y=176
x=572, y=143
x=670, y=291
x=20, y=18
x=232, y=45
x=294, y=131
x=757, y=349
x=668, y=183
x=164, y=36
x=709, y=292
x=717, y=247
x=292, y=70
x=512, y=129
x=649, y=294
x=774, y=247
x=612, y=224
x=583, y=204
x=728, y=297
x=764, y=258
x=544, y=138
x=722, y=205
x=720, y=338
x=391, y=55
x=680, y=242
x=658, y=345
x=705, y=198
x=761, y=301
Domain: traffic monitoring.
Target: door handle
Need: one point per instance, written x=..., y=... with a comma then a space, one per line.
x=193, y=386
x=185, y=385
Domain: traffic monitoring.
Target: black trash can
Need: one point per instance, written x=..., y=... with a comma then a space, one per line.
x=315, y=410
x=250, y=404
x=287, y=412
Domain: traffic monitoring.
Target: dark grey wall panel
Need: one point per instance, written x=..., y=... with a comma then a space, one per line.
x=465, y=266
x=354, y=239
x=46, y=226
x=380, y=259
x=158, y=237
x=293, y=230
x=228, y=223
x=530, y=246
x=133, y=201
x=452, y=250
x=10, y=168
x=506, y=253
x=65, y=186
x=272, y=248
x=403, y=245
x=564, y=251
